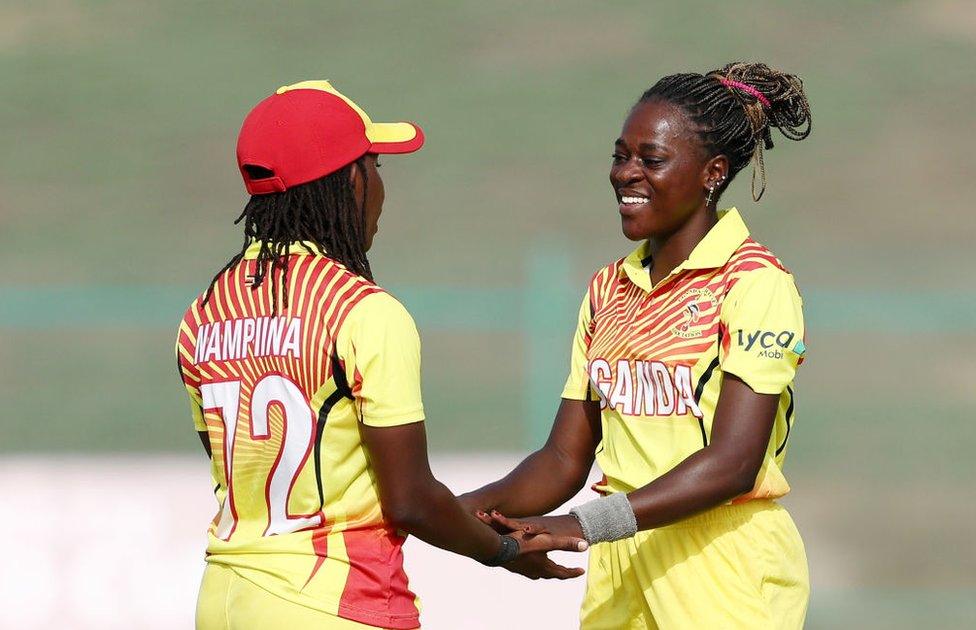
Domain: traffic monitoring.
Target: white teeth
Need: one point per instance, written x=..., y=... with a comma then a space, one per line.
x=634, y=200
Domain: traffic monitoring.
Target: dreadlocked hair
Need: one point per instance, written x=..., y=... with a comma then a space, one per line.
x=322, y=212
x=735, y=109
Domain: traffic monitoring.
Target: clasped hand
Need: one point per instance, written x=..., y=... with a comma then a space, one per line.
x=537, y=536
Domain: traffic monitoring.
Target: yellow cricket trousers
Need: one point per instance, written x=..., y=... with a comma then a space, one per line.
x=735, y=567
x=229, y=602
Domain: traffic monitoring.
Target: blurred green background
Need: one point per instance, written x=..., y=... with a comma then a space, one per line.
x=118, y=189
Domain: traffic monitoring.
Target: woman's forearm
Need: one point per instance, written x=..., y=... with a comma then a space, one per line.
x=553, y=474
x=434, y=516
x=541, y=483
x=723, y=470
x=704, y=480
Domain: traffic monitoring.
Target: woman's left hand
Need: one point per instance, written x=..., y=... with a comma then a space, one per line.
x=565, y=525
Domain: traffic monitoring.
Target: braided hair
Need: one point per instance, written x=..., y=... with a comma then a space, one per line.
x=735, y=109
x=323, y=212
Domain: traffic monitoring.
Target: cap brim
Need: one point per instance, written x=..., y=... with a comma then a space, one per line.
x=398, y=137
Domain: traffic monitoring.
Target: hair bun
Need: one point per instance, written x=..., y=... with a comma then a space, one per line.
x=771, y=98
x=789, y=109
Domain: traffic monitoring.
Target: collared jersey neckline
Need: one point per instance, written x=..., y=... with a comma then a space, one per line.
x=713, y=251
x=297, y=248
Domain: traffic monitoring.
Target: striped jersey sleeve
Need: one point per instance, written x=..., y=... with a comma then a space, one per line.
x=185, y=341
x=578, y=382
x=578, y=386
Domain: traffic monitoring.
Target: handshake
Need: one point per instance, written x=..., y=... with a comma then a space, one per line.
x=529, y=540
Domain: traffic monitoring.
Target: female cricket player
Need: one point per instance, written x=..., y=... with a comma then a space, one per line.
x=680, y=383
x=304, y=384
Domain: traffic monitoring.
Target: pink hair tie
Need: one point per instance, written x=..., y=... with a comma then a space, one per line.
x=748, y=89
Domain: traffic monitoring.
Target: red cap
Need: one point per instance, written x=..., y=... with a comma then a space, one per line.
x=307, y=130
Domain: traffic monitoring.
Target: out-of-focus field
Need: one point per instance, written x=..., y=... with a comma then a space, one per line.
x=146, y=574
x=118, y=190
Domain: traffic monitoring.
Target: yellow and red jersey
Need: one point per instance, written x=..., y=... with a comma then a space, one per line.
x=655, y=356
x=280, y=393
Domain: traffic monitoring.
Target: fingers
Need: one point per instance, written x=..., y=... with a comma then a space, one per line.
x=559, y=572
x=570, y=543
x=487, y=520
x=515, y=524
x=548, y=542
x=532, y=529
x=483, y=517
x=539, y=566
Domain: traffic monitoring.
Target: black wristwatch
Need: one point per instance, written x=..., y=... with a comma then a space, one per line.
x=508, y=552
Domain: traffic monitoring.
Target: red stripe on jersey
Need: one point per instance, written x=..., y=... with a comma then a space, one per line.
x=376, y=581
x=357, y=383
x=354, y=292
x=651, y=326
x=750, y=265
x=320, y=545
x=312, y=370
x=663, y=347
x=751, y=248
x=187, y=349
x=330, y=272
x=601, y=284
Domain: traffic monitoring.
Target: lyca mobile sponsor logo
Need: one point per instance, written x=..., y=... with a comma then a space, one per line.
x=769, y=344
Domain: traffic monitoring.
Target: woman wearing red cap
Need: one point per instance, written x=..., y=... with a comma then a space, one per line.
x=681, y=381
x=304, y=384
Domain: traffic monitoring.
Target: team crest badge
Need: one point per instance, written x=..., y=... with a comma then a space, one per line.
x=699, y=304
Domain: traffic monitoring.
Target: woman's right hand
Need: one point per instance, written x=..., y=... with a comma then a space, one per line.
x=478, y=505
x=533, y=561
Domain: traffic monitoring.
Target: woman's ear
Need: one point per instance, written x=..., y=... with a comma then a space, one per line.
x=716, y=171
x=357, y=180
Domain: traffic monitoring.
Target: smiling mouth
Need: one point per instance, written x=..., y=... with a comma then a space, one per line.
x=630, y=203
x=633, y=201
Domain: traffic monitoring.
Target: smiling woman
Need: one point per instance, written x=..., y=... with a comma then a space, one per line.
x=680, y=383
x=706, y=128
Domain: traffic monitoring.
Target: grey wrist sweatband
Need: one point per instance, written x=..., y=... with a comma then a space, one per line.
x=606, y=519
